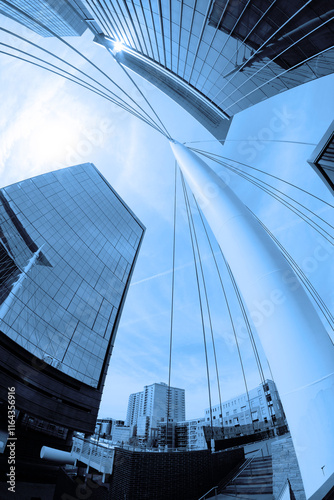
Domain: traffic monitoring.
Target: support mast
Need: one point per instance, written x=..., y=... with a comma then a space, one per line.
x=294, y=339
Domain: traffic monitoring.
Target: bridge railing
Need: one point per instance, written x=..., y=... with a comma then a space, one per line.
x=93, y=454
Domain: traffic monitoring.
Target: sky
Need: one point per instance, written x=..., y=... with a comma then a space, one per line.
x=47, y=123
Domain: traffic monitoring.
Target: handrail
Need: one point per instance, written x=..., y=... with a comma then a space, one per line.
x=244, y=466
x=285, y=485
x=214, y=488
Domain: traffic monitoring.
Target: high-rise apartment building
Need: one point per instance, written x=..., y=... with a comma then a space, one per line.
x=150, y=406
x=187, y=435
x=68, y=246
x=61, y=17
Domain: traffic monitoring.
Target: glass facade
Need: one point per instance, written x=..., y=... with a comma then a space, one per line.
x=322, y=158
x=56, y=15
x=68, y=244
x=234, y=53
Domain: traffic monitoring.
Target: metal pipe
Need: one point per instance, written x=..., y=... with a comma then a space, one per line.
x=59, y=456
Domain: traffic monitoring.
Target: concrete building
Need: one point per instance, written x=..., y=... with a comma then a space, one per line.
x=105, y=426
x=120, y=434
x=262, y=412
x=185, y=435
x=150, y=406
x=262, y=404
x=190, y=434
x=113, y=430
x=68, y=247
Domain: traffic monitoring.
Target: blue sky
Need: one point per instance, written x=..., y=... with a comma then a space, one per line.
x=47, y=123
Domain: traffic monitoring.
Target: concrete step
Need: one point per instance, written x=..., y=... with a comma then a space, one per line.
x=254, y=480
x=248, y=491
x=262, y=463
x=259, y=496
x=259, y=467
x=256, y=473
x=249, y=486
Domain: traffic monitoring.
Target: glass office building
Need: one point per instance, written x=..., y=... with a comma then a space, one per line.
x=68, y=245
x=59, y=16
x=216, y=58
x=322, y=158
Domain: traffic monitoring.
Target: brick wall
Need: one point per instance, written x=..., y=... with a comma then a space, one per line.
x=285, y=466
x=166, y=476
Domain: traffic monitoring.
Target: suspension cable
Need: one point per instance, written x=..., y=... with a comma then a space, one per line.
x=207, y=306
x=242, y=308
x=200, y=303
x=265, y=173
x=26, y=40
x=252, y=140
x=243, y=311
x=279, y=191
x=79, y=53
x=124, y=105
x=228, y=307
x=271, y=60
x=223, y=47
x=236, y=340
x=295, y=210
x=300, y=273
x=101, y=94
x=172, y=306
x=167, y=134
x=279, y=75
x=243, y=42
x=271, y=36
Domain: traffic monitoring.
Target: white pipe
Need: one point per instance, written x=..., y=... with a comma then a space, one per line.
x=294, y=339
x=59, y=456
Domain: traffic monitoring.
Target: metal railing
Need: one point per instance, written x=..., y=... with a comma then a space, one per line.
x=93, y=454
x=285, y=488
x=204, y=496
x=246, y=465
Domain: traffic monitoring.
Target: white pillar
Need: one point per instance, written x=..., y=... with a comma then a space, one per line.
x=294, y=339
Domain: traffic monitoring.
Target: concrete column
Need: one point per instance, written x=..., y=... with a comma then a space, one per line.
x=294, y=339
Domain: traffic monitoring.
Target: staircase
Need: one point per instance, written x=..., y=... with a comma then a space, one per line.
x=254, y=482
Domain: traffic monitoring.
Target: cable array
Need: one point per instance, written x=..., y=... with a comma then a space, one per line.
x=130, y=104
x=172, y=305
x=303, y=212
x=199, y=298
